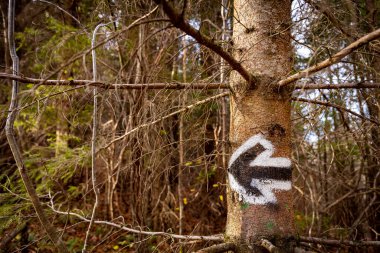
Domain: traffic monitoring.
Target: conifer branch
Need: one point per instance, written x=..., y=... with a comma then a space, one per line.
x=15, y=148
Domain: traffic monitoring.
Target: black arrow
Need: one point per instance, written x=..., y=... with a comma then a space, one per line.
x=244, y=173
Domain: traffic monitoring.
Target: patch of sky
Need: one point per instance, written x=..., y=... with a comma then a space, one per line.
x=110, y=45
x=300, y=24
x=187, y=40
x=196, y=25
x=107, y=30
x=311, y=137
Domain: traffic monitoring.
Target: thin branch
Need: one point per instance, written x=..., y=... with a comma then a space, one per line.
x=105, y=85
x=334, y=59
x=93, y=139
x=116, y=34
x=339, y=107
x=359, y=85
x=325, y=9
x=184, y=109
x=218, y=238
x=178, y=21
x=345, y=29
x=7, y=238
x=11, y=137
x=301, y=250
x=172, y=85
x=61, y=9
x=223, y=247
x=339, y=242
x=48, y=96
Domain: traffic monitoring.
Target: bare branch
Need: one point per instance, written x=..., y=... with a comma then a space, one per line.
x=105, y=85
x=115, y=35
x=301, y=250
x=61, y=9
x=335, y=106
x=179, y=22
x=93, y=139
x=339, y=242
x=7, y=238
x=325, y=9
x=334, y=59
x=173, y=85
x=359, y=85
x=223, y=247
x=184, y=109
x=217, y=238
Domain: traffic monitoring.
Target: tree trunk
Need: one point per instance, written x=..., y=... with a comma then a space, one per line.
x=260, y=128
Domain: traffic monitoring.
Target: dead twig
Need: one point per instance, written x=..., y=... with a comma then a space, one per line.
x=8, y=237
x=218, y=238
x=359, y=85
x=223, y=247
x=301, y=250
x=173, y=85
x=335, y=106
x=123, y=86
x=333, y=242
x=184, y=109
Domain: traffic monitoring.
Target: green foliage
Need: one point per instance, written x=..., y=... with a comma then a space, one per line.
x=61, y=42
x=206, y=174
x=302, y=222
x=62, y=167
x=126, y=241
x=7, y=210
x=270, y=225
x=13, y=203
x=202, y=110
x=244, y=205
x=74, y=245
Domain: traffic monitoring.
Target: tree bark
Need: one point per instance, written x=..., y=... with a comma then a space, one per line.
x=261, y=39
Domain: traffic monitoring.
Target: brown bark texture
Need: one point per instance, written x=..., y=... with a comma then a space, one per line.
x=261, y=39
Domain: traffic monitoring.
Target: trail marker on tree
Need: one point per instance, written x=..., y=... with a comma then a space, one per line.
x=254, y=174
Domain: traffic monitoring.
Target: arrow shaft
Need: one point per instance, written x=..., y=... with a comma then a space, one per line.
x=275, y=173
x=254, y=174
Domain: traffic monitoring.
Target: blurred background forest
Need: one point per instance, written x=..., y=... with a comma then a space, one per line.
x=169, y=173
